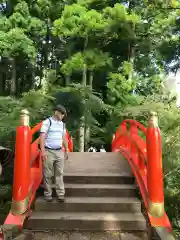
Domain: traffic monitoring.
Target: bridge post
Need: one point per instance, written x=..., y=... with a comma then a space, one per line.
x=154, y=168
x=21, y=183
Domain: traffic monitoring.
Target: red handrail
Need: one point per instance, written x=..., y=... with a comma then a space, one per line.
x=36, y=128
x=136, y=123
x=27, y=170
x=145, y=160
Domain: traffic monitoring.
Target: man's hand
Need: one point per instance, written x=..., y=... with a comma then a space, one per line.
x=43, y=155
x=65, y=155
x=43, y=151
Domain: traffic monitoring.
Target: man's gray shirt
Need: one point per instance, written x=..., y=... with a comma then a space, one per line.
x=55, y=132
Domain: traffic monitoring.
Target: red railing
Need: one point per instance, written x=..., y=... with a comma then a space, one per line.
x=27, y=170
x=145, y=159
x=143, y=154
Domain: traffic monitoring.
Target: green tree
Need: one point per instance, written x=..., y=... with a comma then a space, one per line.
x=79, y=22
x=90, y=27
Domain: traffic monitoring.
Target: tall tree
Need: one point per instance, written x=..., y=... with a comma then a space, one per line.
x=78, y=22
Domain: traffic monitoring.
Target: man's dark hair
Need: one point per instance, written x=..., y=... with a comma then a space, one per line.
x=60, y=109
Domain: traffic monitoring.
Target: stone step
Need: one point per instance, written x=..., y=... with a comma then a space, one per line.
x=86, y=221
x=24, y=236
x=97, y=163
x=76, y=235
x=90, y=204
x=100, y=178
x=97, y=190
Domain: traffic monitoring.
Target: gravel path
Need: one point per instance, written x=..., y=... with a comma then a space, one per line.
x=81, y=236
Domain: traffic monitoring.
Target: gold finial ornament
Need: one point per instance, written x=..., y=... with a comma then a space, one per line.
x=24, y=117
x=19, y=207
x=153, y=119
x=156, y=209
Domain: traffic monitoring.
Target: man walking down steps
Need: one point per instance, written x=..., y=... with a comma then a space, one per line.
x=52, y=137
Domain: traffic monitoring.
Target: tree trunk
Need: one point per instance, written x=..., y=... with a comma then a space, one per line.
x=91, y=77
x=84, y=75
x=82, y=120
x=131, y=53
x=87, y=136
x=4, y=68
x=33, y=75
x=68, y=77
x=13, y=78
x=88, y=129
x=44, y=82
x=67, y=80
x=81, y=134
x=1, y=82
x=131, y=60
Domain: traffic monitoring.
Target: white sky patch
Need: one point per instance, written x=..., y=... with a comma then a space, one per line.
x=172, y=85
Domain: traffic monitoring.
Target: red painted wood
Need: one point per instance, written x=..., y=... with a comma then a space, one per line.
x=27, y=169
x=145, y=161
x=142, y=184
x=128, y=142
x=21, y=181
x=36, y=128
x=154, y=165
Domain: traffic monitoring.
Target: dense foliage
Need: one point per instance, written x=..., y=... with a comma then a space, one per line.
x=103, y=60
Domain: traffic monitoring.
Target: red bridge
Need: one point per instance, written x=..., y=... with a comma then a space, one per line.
x=97, y=183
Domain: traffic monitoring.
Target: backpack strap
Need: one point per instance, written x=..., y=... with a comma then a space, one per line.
x=50, y=123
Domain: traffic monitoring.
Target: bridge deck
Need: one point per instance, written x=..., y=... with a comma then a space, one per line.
x=97, y=163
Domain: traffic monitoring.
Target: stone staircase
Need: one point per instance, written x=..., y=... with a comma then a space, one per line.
x=100, y=196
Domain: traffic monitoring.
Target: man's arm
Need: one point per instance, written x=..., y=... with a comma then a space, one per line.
x=43, y=133
x=65, y=142
x=64, y=138
x=42, y=142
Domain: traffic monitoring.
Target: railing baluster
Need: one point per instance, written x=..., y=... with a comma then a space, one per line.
x=21, y=183
x=154, y=168
x=133, y=131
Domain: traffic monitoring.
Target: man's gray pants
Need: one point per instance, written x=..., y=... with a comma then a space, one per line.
x=53, y=165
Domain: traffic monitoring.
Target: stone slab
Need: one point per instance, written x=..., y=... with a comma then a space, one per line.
x=88, y=162
x=105, y=236
x=80, y=236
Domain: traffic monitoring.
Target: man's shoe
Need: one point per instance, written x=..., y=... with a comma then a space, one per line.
x=61, y=199
x=48, y=199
